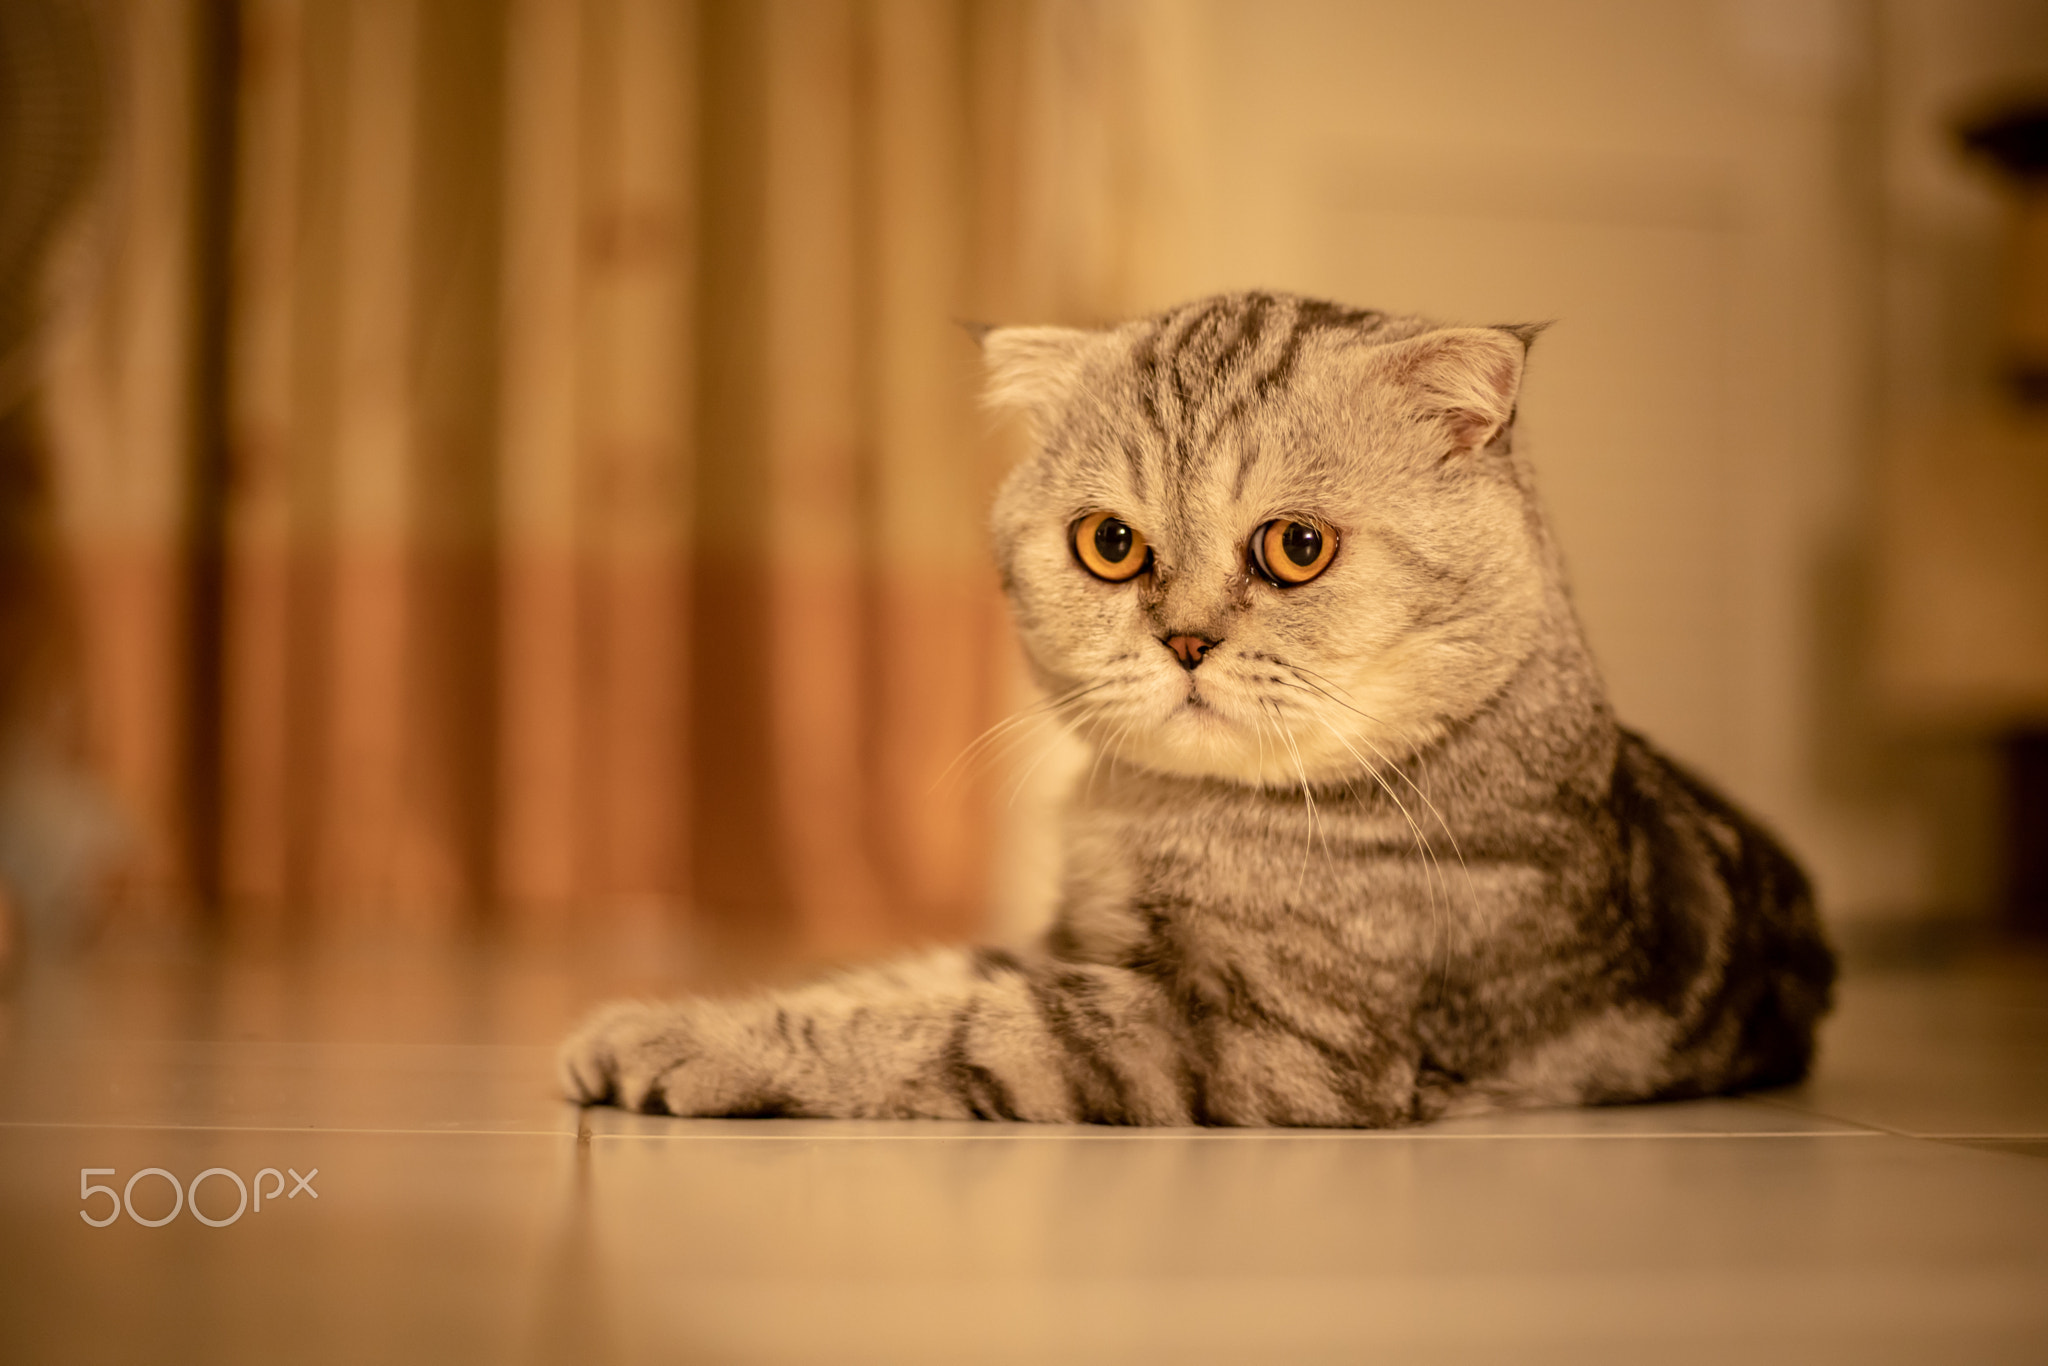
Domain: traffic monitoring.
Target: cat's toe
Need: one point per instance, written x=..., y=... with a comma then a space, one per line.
x=652, y=1101
x=604, y=1062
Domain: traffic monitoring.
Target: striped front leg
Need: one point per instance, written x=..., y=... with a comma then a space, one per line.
x=954, y=1035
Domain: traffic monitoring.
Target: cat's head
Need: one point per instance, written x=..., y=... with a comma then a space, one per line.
x=1265, y=538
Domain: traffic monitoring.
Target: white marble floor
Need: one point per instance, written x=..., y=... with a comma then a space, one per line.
x=1893, y=1209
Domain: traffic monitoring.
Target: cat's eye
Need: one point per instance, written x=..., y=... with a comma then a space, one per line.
x=1110, y=548
x=1290, y=552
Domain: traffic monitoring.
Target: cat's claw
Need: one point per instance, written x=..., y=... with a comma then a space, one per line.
x=619, y=1054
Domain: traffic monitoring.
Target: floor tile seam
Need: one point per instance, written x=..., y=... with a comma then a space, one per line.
x=1814, y=1112
x=1895, y=1131
x=1994, y=1137
x=6, y=1124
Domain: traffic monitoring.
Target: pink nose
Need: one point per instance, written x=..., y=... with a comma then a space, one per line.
x=1190, y=649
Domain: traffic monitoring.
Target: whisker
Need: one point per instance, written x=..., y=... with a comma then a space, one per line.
x=1117, y=757
x=1043, y=705
x=1422, y=841
x=1100, y=751
x=1430, y=859
x=1036, y=711
x=1399, y=771
x=1068, y=726
x=1307, y=796
x=1004, y=749
x=1258, y=777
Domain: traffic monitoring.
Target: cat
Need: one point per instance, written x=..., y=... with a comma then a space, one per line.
x=1364, y=844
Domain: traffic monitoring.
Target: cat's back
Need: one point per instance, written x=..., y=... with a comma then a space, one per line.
x=1724, y=934
x=1662, y=921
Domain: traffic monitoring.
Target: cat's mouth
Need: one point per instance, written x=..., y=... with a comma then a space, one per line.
x=1205, y=712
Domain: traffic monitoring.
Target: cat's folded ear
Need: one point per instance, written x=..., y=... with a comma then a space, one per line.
x=1465, y=378
x=1031, y=369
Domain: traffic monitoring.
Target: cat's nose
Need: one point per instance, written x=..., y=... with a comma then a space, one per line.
x=1190, y=649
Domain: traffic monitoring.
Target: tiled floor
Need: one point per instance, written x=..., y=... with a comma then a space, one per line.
x=1894, y=1209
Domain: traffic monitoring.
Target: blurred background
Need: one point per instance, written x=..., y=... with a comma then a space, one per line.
x=508, y=469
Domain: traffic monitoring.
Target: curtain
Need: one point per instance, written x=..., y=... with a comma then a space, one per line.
x=519, y=457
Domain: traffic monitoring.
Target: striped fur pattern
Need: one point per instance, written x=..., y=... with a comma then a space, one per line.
x=1382, y=855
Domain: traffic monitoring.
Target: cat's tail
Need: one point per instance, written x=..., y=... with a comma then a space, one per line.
x=1777, y=972
x=1797, y=969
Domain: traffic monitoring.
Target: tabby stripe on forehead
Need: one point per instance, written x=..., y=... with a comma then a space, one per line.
x=1184, y=402
x=1310, y=315
x=1135, y=458
x=1145, y=360
x=1177, y=395
x=1188, y=358
x=1244, y=340
x=1282, y=369
x=1250, y=327
x=1260, y=389
x=1163, y=380
x=1247, y=456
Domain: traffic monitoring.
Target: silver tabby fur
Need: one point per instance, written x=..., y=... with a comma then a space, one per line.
x=1383, y=855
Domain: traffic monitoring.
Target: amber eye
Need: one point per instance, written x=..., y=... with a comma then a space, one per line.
x=1288, y=552
x=1110, y=548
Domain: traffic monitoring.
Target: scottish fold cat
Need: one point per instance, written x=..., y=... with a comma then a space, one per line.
x=1363, y=844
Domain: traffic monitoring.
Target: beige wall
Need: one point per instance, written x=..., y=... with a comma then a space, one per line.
x=1689, y=189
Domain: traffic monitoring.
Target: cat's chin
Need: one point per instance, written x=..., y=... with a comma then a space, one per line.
x=1201, y=740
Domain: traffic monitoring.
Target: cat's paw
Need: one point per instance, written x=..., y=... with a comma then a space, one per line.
x=621, y=1052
